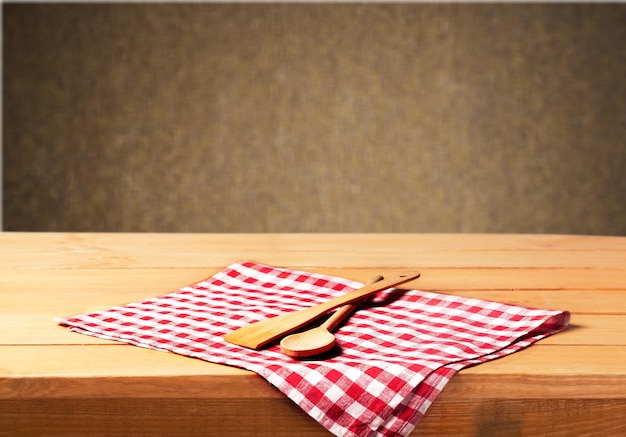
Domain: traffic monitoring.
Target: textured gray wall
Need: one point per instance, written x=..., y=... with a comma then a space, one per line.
x=315, y=117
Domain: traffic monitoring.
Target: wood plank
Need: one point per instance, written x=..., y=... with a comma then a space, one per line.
x=26, y=242
x=585, y=329
x=312, y=250
x=160, y=417
x=562, y=361
x=38, y=327
x=119, y=371
x=95, y=288
x=433, y=279
x=280, y=417
x=63, y=371
x=524, y=417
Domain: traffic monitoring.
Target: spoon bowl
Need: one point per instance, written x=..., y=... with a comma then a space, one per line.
x=314, y=341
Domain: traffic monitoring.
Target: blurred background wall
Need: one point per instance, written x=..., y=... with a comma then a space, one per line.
x=315, y=117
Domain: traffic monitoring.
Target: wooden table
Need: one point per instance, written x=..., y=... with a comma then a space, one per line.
x=53, y=382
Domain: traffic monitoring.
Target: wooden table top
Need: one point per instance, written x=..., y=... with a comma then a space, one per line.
x=52, y=379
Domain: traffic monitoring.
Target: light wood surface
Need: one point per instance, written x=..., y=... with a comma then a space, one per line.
x=54, y=382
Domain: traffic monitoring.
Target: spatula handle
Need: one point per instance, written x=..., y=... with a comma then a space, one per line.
x=342, y=312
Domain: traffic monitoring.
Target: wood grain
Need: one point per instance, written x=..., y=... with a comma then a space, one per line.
x=54, y=382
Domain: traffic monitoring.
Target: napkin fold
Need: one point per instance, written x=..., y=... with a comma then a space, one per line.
x=395, y=354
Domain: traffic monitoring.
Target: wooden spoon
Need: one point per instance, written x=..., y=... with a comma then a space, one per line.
x=258, y=334
x=320, y=339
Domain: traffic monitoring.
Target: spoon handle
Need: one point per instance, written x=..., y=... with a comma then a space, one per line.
x=341, y=313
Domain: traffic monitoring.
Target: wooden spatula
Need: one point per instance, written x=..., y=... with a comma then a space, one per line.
x=319, y=339
x=258, y=334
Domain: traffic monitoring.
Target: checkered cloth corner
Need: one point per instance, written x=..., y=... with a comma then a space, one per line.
x=396, y=353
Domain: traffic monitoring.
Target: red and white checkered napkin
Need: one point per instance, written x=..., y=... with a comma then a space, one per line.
x=396, y=353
